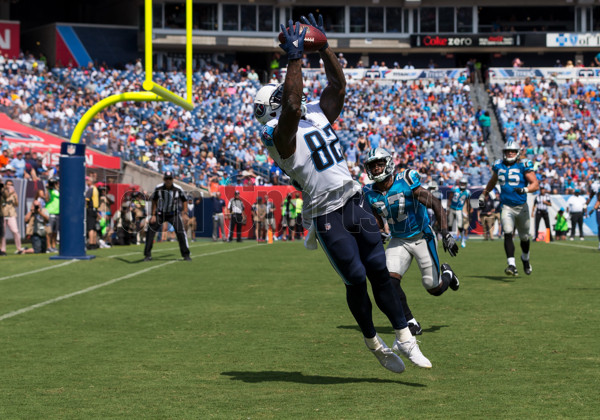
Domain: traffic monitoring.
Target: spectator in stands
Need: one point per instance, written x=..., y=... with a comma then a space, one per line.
x=5, y=157
x=18, y=163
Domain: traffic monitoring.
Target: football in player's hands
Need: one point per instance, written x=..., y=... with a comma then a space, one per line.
x=314, y=39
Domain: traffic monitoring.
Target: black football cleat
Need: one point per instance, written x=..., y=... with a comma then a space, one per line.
x=527, y=266
x=454, y=283
x=511, y=270
x=148, y=258
x=187, y=258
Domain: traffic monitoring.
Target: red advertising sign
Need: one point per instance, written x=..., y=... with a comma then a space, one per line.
x=23, y=137
x=10, y=38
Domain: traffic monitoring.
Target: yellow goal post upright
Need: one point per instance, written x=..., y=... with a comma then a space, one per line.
x=153, y=91
x=72, y=159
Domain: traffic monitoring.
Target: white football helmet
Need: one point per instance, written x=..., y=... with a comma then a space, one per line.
x=510, y=145
x=463, y=184
x=267, y=102
x=379, y=154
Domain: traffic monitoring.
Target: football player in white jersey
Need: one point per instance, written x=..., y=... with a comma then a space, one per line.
x=302, y=142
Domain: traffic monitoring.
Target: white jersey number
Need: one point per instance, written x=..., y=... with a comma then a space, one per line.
x=513, y=176
x=401, y=216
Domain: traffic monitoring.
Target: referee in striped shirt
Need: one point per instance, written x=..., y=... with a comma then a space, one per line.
x=540, y=209
x=166, y=199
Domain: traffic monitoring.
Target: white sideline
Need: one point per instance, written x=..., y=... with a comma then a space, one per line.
x=573, y=245
x=39, y=270
x=108, y=283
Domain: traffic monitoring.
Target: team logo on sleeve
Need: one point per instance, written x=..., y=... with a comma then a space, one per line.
x=266, y=136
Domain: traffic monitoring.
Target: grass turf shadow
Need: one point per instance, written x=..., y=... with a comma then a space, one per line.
x=299, y=377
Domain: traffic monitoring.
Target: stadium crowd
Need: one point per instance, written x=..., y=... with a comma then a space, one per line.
x=430, y=125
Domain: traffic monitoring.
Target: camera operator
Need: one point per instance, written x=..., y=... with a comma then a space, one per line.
x=38, y=217
x=10, y=202
x=53, y=208
x=139, y=213
x=124, y=224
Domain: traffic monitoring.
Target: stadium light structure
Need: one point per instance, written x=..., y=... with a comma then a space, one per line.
x=72, y=224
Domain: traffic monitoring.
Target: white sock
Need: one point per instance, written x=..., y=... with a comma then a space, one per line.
x=403, y=335
x=525, y=257
x=412, y=321
x=372, y=343
x=511, y=261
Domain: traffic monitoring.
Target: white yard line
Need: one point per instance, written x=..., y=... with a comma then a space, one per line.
x=108, y=283
x=573, y=245
x=39, y=270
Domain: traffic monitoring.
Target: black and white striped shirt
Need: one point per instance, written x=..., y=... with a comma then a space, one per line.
x=540, y=202
x=168, y=200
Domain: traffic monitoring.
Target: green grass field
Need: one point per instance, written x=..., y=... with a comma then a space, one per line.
x=249, y=331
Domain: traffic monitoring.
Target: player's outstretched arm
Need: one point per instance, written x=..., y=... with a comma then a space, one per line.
x=332, y=98
x=284, y=134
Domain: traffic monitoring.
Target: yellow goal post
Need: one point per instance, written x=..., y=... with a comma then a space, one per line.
x=153, y=91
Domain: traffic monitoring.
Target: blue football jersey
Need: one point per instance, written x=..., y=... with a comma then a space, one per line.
x=459, y=197
x=511, y=177
x=405, y=215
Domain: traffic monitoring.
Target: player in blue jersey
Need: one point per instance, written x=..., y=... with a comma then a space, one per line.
x=516, y=178
x=401, y=203
x=458, y=197
x=300, y=139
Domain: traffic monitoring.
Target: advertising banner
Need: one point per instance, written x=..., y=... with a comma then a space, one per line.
x=572, y=39
x=388, y=75
x=10, y=38
x=464, y=41
x=512, y=74
x=26, y=138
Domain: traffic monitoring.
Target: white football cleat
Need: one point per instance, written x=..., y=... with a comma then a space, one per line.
x=387, y=357
x=411, y=350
